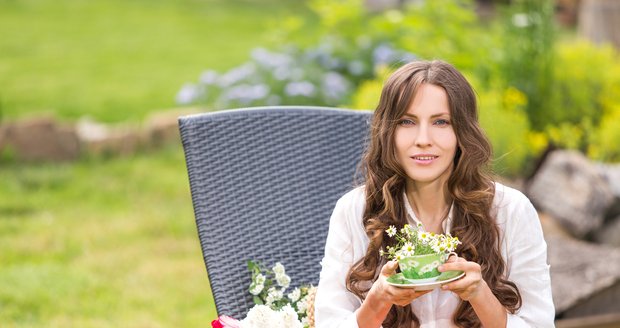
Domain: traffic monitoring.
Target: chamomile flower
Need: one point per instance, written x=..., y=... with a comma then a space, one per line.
x=413, y=240
x=423, y=236
x=408, y=249
x=391, y=231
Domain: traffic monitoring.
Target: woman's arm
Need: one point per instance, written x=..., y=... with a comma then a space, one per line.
x=382, y=297
x=526, y=258
x=526, y=262
x=474, y=289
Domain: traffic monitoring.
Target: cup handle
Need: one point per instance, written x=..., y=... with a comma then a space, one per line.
x=450, y=254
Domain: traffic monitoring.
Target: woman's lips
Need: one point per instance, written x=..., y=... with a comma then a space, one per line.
x=424, y=159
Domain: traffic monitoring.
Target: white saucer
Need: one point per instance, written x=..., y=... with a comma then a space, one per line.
x=422, y=285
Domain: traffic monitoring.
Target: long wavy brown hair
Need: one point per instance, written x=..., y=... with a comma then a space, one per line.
x=470, y=186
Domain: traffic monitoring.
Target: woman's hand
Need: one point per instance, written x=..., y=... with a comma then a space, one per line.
x=474, y=289
x=388, y=294
x=382, y=296
x=471, y=284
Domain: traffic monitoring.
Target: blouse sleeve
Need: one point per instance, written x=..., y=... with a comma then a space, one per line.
x=334, y=305
x=527, y=267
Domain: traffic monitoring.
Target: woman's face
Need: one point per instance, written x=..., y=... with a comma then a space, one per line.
x=424, y=138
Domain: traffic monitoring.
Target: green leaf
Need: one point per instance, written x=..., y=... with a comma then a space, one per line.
x=257, y=300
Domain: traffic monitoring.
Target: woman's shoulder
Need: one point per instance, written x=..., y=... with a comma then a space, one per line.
x=506, y=196
x=353, y=202
x=512, y=206
x=354, y=197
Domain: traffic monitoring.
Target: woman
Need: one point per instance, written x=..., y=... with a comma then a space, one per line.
x=426, y=163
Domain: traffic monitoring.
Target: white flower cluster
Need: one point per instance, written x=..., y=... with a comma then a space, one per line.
x=262, y=316
x=415, y=241
x=269, y=288
x=274, y=293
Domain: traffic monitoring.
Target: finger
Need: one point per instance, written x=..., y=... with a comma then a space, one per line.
x=461, y=265
x=423, y=292
x=408, y=297
x=389, y=268
x=454, y=258
x=458, y=285
x=449, y=266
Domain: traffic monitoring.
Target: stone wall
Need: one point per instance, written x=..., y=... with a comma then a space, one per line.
x=46, y=139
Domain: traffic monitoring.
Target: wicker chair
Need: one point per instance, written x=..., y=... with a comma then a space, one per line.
x=264, y=182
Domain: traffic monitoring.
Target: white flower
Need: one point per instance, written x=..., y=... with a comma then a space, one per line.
x=259, y=279
x=303, y=88
x=246, y=93
x=188, y=94
x=426, y=268
x=520, y=20
x=278, y=269
x=294, y=295
x=409, y=230
x=423, y=236
x=208, y=77
x=334, y=85
x=356, y=67
x=408, y=249
x=302, y=305
x=259, y=316
x=273, y=294
x=391, y=231
x=255, y=289
x=399, y=256
x=289, y=317
x=236, y=74
x=383, y=54
x=283, y=280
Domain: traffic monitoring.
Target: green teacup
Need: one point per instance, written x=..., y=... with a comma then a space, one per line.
x=423, y=266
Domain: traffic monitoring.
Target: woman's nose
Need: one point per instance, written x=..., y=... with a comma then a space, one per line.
x=423, y=138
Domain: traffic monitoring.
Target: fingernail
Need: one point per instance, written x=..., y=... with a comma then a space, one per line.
x=440, y=268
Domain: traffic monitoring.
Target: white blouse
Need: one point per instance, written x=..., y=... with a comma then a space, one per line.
x=522, y=245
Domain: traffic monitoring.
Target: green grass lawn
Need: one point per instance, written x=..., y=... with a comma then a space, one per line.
x=101, y=244
x=119, y=60
x=110, y=243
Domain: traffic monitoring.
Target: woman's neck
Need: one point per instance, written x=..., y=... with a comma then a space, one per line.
x=430, y=203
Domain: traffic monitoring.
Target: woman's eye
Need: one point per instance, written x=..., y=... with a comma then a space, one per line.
x=442, y=122
x=406, y=122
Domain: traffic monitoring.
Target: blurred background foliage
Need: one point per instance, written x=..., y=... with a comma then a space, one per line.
x=538, y=85
x=111, y=242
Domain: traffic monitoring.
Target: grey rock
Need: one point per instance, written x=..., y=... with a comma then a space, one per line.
x=571, y=189
x=609, y=234
x=116, y=142
x=579, y=270
x=611, y=175
x=42, y=139
x=163, y=129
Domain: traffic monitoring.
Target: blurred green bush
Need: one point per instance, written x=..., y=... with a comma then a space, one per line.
x=533, y=90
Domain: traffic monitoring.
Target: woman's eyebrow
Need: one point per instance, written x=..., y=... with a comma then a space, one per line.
x=432, y=116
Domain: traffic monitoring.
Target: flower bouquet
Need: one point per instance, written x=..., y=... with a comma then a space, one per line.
x=274, y=308
x=418, y=252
